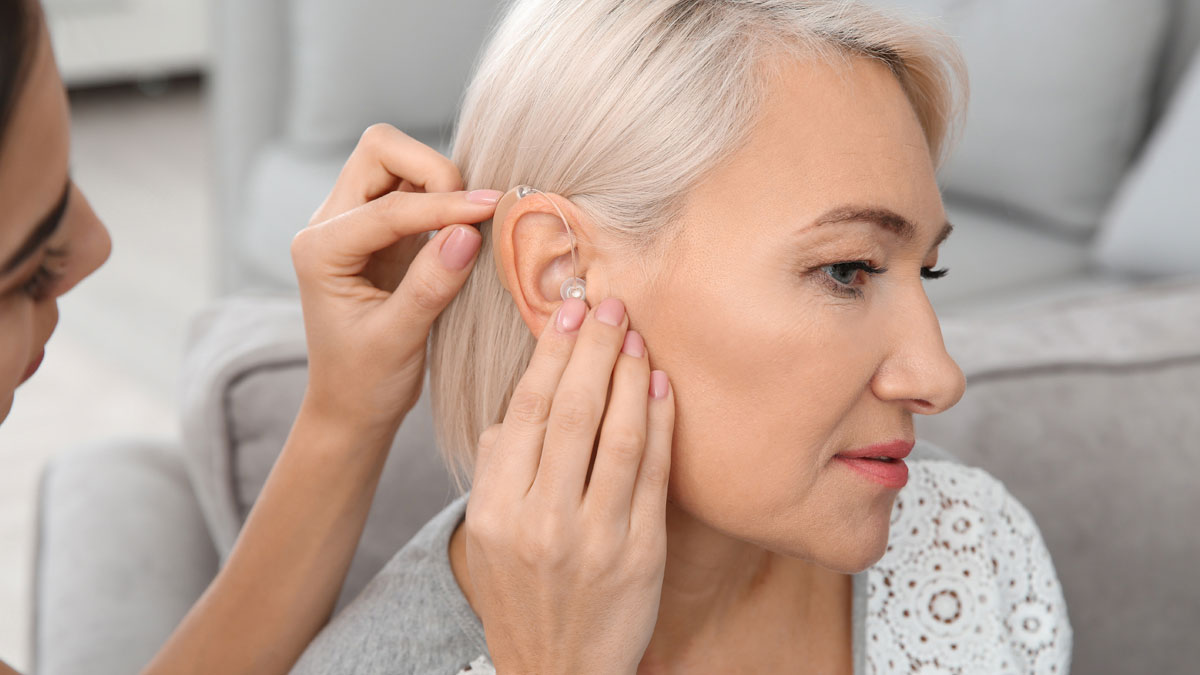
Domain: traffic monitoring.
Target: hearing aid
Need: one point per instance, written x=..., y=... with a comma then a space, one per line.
x=572, y=287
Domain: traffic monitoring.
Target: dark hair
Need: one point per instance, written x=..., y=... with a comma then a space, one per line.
x=18, y=39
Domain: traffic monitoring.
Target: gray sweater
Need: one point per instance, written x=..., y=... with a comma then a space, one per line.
x=413, y=617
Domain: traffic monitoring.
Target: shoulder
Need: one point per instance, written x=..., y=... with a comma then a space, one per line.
x=411, y=618
x=966, y=583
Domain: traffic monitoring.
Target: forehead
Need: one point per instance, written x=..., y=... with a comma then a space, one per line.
x=34, y=156
x=830, y=135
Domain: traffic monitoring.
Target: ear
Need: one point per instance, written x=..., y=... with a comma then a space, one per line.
x=533, y=252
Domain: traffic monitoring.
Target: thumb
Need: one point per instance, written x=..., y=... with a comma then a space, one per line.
x=435, y=276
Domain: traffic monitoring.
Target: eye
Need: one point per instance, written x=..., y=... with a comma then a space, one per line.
x=841, y=275
x=39, y=286
x=844, y=273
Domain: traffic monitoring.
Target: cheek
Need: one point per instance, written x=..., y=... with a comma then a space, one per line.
x=16, y=342
x=765, y=373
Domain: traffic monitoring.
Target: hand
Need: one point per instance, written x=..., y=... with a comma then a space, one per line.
x=371, y=285
x=566, y=570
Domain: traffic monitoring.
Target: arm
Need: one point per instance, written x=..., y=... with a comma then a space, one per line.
x=285, y=572
x=370, y=292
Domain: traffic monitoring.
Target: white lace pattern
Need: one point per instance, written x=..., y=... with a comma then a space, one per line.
x=966, y=585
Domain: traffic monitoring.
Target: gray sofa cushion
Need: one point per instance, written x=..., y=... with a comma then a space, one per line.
x=1087, y=412
x=123, y=554
x=999, y=250
x=357, y=62
x=1154, y=226
x=1059, y=99
x=244, y=378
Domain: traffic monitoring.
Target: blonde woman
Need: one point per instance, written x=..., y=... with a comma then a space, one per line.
x=701, y=468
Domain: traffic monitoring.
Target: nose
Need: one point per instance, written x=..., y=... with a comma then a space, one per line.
x=918, y=370
x=90, y=242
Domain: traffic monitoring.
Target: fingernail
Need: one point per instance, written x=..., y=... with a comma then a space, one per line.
x=484, y=196
x=634, y=345
x=659, y=385
x=459, y=247
x=570, y=315
x=611, y=311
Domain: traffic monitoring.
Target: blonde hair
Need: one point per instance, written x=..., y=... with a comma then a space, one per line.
x=622, y=107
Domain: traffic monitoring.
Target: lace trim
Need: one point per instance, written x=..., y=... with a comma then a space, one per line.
x=966, y=584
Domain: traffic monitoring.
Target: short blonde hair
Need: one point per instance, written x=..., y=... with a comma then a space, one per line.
x=622, y=107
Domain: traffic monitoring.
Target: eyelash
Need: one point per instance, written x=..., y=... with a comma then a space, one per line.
x=38, y=286
x=852, y=292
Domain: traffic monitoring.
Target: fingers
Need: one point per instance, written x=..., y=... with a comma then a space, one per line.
x=524, y=428
x=579, y=404
x=650, y=490
x=435, y=276
x=343, y=245
x=623, y=436
x=387, y=159
x=545, y=443
x=483, y=452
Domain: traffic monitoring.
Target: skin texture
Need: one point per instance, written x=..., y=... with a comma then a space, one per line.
x=774, y=370
x=33, y=173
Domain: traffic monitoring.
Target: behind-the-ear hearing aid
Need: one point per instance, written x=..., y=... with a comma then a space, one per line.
x=574, y=286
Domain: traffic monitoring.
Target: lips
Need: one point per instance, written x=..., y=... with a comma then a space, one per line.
x=882, y=463
x=897, y=449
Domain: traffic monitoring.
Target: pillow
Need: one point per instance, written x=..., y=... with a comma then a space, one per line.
x=1059, y=98
x=357, y=62
x=1154, y=225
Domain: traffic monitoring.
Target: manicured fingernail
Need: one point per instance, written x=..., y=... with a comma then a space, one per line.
x=460, y=247
x=570, y=315
x=484, y=196
x=611, y=311
x=659, y=385
x=634, y=345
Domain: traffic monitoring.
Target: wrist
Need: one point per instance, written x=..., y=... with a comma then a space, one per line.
x=325, y=417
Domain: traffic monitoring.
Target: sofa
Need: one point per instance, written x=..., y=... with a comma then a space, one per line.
x=1072, y=306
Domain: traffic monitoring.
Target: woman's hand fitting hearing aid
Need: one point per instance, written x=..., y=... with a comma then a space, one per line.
x=565, y=553
x=371, y=285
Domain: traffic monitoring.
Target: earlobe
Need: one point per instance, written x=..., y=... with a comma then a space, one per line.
x=532, y=251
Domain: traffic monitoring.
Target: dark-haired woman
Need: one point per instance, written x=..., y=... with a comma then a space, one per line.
x=282, y=578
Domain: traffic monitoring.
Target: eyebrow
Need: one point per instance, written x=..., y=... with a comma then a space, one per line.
x=40, y=234
x=880, y=217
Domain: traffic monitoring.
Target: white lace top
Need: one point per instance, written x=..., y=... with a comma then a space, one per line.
x=966, y=585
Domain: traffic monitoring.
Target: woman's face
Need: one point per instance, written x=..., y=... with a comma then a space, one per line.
x=49, y=237
x=778, y=362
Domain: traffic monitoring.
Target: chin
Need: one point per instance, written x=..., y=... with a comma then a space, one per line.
x=858, y=547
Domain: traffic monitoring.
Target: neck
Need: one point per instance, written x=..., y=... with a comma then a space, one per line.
x=721, y=595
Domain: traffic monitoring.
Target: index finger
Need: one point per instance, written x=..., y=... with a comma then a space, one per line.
x=518, y=449
x=384, y=160
x=343, y=245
